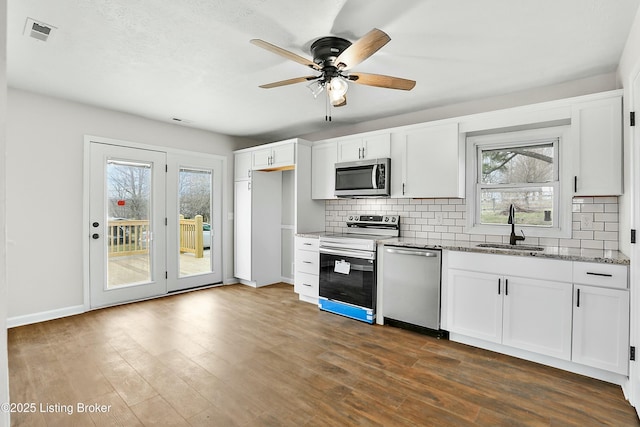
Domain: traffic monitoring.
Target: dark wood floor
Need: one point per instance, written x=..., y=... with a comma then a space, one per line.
x=240, y=356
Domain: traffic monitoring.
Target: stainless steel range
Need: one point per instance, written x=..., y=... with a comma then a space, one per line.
x=348, y=266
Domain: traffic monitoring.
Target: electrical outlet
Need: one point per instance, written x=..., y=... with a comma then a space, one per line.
x=586, y=222
x=438, y=218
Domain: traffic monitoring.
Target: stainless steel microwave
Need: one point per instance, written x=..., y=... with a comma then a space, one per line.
x=364, y=178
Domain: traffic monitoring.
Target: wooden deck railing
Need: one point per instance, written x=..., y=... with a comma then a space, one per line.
x=131, y=237
x=191, y=236
x=127, y=237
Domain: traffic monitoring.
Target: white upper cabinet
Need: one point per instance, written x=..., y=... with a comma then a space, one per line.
x=361, y=148
x=432, y=162
x=277, y=156
x=242, y=166
x=323, y=159
x=597, y=147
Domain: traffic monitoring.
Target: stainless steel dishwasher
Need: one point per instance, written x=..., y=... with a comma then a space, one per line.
x=411, y=289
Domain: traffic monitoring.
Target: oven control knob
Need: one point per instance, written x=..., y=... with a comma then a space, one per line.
x=386, y=219
x=351, y=218
x=393, y=219
x=355, y=218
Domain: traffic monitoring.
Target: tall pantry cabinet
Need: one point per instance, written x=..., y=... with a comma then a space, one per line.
x=272, y=202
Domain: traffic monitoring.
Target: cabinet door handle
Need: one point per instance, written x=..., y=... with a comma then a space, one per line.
x=360, y=152
x=249, y=185
x=363, y=150
x=403, y=188
x=599, y=274
x=506, y=287
x=578, y=298
x=499, y=283
x=248, y=173
x=575, y=184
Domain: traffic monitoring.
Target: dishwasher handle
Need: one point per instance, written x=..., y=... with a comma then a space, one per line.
x=410, y=252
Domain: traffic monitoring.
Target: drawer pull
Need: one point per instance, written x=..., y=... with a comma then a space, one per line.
x=306, y=284
x=307, y=244
x=600, y=274
x=307, y=262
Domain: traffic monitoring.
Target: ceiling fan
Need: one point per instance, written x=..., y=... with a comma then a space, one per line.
x=333, y=58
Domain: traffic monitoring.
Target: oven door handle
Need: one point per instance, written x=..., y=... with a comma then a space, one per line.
x=374, y=177
x=347, y=253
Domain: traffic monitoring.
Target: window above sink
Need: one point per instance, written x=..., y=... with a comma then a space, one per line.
x=523, y=169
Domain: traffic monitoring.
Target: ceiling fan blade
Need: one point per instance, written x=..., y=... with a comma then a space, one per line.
x=285, y=53
x=363, y=48
x=380, y=80
x=289, y=82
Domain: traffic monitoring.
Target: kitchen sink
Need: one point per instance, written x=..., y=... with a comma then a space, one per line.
x=512, y=247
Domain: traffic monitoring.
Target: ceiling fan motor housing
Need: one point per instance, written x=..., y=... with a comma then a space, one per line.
x=326, y=49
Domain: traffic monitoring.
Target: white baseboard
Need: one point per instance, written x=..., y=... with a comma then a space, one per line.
x=43, y=316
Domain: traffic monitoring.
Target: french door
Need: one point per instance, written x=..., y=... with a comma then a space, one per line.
x=194, y=199
x=154, y=222
x=127, y=231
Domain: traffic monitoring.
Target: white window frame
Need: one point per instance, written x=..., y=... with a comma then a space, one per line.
x=562, y=212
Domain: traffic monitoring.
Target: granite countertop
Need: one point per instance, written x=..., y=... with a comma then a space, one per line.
x=550, y=252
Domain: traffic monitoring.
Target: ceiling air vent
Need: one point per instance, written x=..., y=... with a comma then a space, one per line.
x=38, y=30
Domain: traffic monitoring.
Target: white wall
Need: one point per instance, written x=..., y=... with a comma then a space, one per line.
x=45, y=187
x=4, y=373
x=599, y=83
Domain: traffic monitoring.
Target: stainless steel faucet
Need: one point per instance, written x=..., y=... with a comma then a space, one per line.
x=513, y=238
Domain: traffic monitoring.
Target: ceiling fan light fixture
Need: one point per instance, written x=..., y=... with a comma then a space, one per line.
x=316, y=87
x=336, y=89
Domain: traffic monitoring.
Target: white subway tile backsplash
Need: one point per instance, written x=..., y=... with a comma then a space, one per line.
x=592, y=244
x=595, y=220
x=595, y=207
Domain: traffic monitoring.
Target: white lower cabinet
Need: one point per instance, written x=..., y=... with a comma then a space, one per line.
x=523, y=313
x=475, y=306
x=576, y=312
x=601, y=328
x=536, y=316
x=307, y=262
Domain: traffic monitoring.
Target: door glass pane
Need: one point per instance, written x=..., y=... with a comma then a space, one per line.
x=128, y=236
x=534, y=206
x=194, y=199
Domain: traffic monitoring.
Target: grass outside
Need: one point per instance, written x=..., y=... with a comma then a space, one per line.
x=522, y=218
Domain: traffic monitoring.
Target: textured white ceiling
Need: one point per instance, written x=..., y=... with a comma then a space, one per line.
x=192, y=59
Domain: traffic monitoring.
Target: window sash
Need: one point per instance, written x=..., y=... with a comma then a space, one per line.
x=555, y=184
x=519, y=144
x=555, y=211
